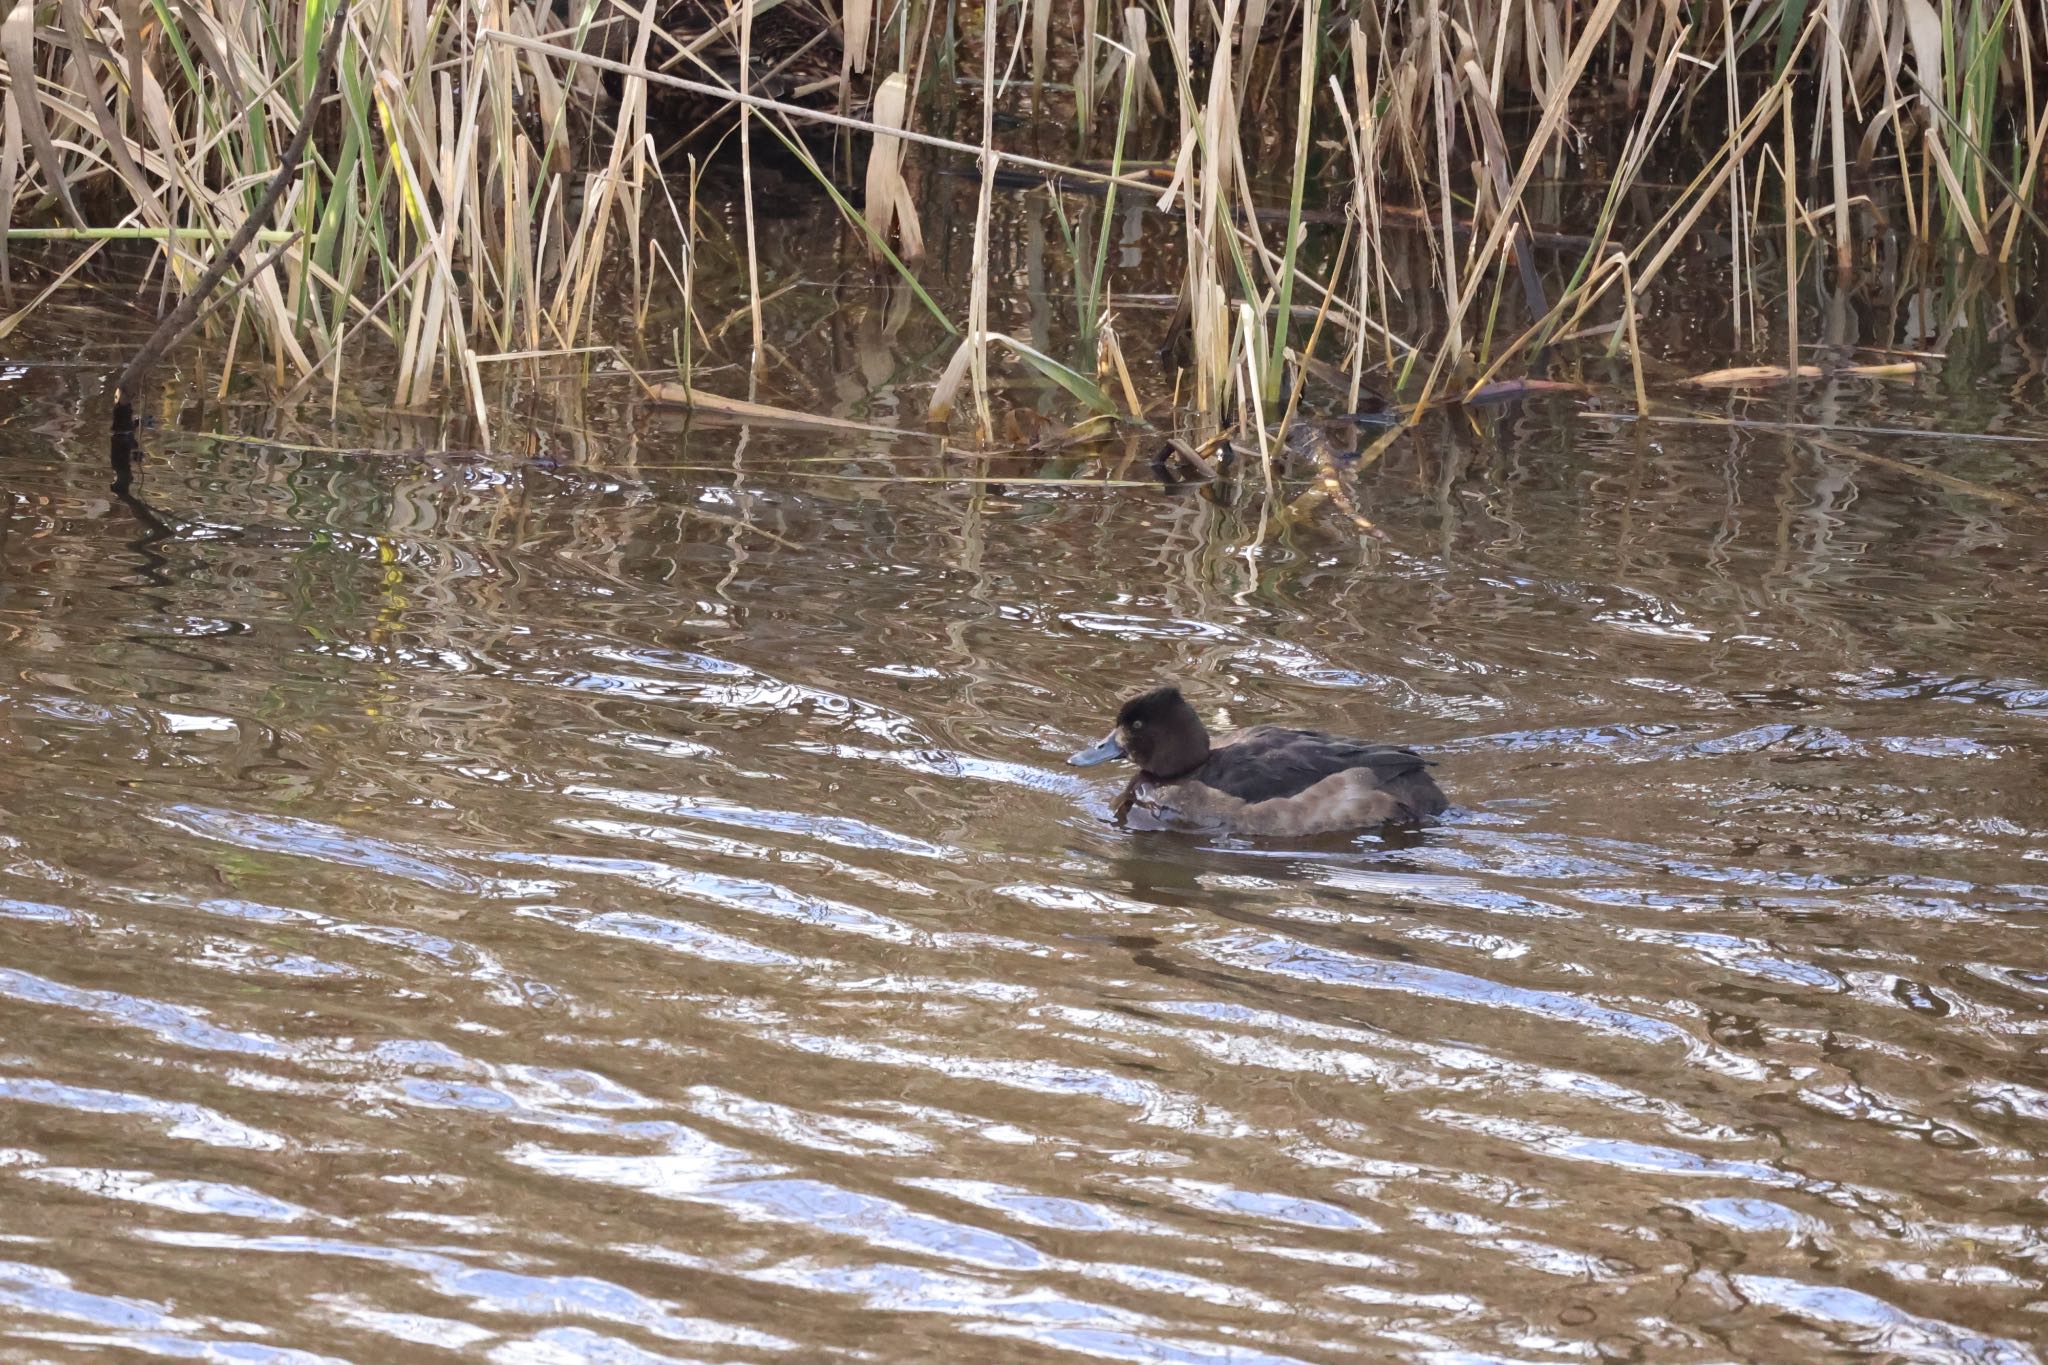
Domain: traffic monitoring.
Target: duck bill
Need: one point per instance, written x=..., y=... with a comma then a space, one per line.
x=1100, y=752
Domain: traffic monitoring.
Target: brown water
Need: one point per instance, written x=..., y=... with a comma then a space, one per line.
x=514, y=911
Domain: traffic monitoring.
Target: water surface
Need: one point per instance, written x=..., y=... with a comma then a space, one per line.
x=632, y=906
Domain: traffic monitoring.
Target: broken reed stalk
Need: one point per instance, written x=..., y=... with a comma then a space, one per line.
x=180, y=319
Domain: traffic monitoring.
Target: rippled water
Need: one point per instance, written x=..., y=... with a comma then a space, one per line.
x=523, y=911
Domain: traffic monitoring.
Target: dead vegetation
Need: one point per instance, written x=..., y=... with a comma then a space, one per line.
x=496, y=184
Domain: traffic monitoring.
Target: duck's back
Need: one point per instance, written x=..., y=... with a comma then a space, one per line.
x=1274, y=780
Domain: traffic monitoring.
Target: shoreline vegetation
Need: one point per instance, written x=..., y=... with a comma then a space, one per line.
x=518, y=184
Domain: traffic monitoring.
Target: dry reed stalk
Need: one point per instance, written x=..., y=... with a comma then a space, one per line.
x=976, y=340
x=856, y=22
x=1548, y=124
x=1677, y=222
x=586, y=250
x=1791, y=244
x=85, y=51
x=2036, y=149
x=1742, y=316
x=441, y=218
x=1041, y=36
x=1138, y=35
x=1440, y=102
x=755, y=355
x=1928, y=31
x=1311, y=12
x=1362, y=136
x=1109, y=359
x=804, y=113
x=1247, y=36
x=1246, y=377
x=1835, y=75
x=1207, y=141
x=1494, y=142
x=1315, y=332
x=1084, y=68
x=17, y=46
x=1563, y=318
x=889, y=202
x=1635, y=345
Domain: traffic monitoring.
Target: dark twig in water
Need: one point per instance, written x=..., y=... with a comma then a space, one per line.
x=1125, y=799
x=155, y=530
x=181, y=318
x=253, y=274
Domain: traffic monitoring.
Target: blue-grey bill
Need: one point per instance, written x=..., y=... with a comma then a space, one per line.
x=1100, y=752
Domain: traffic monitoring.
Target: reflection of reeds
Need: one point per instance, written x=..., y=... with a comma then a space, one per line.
x=474, y=197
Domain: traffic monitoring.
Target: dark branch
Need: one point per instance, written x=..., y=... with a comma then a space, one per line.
x=181, y=318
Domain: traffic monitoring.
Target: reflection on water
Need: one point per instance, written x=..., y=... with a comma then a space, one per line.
x=621, y=911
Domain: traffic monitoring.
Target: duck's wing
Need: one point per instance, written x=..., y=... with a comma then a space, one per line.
x=1270, y=761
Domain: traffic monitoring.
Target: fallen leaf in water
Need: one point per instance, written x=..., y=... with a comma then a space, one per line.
x=1750, y=374
x=1777, y=374
x=740, y=410
x=1506, y=390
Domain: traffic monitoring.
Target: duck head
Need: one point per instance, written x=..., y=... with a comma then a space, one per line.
x=1156, y=730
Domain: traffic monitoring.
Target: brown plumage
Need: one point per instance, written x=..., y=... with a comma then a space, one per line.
x=1266, y=780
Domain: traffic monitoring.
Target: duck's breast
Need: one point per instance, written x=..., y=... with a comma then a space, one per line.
x=1351, y=799
x=1345, y=800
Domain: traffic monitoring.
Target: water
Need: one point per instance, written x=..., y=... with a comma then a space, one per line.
x=623, y=908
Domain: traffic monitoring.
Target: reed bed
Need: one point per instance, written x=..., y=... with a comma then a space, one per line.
x=500, y=182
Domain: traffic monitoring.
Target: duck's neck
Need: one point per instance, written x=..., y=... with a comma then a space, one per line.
x=1179, y=758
